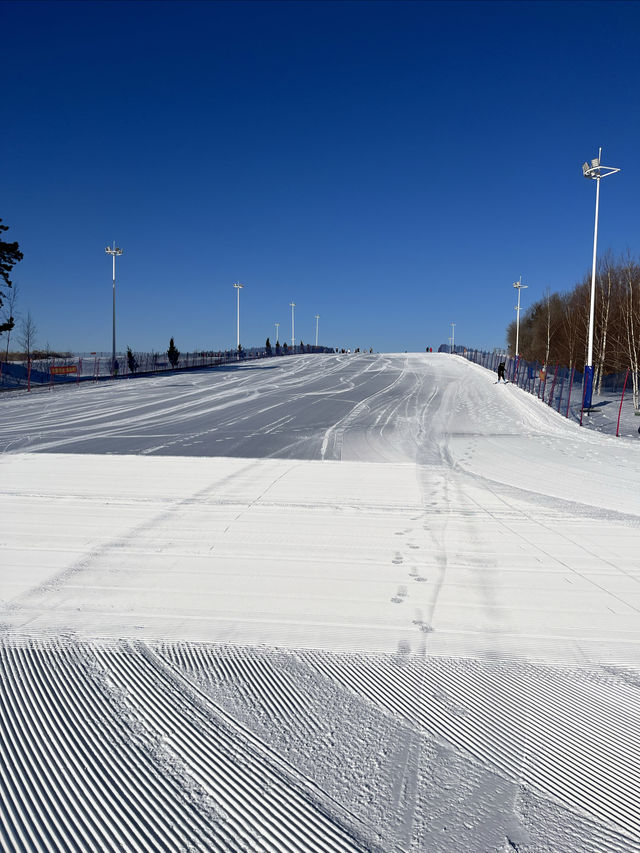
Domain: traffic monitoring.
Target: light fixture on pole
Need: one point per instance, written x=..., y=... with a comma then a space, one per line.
x=317, y=318
x=113, y=252
x=277, y=335
x=594, y=171
x=238, y=287
x=293, y=338
x=519, y=286
x=453, y=336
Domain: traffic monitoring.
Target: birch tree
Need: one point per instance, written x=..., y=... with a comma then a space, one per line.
x=632, y=326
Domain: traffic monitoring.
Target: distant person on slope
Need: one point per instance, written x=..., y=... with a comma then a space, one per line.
x=501, y=372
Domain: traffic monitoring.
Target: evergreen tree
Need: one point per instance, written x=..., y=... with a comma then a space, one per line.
x=10, y=254
x=131, y=361
x=268, y=346
x=173, y=354
x=285, y=348
x=277, y=347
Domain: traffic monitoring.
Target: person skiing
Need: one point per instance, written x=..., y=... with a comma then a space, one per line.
x=501, y=367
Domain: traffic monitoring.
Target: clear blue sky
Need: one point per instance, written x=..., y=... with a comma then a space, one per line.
x=391, y=166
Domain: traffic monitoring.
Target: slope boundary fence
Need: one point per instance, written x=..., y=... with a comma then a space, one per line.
x=98, y=366
x=561, y=388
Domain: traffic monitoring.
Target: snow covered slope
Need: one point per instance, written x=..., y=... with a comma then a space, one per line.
x=322, y=602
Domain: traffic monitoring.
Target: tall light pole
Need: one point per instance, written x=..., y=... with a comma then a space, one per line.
x=238, y=287
x=453, y=336
x=519, y=286
x=293, y=337
x=317, y=318
x=277, y=333
x=113, y=252
x=595, y=172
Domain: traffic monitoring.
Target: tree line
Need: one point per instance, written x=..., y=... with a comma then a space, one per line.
x=555, y=329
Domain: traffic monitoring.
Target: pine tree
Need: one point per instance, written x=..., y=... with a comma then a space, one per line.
x=10, y=254
x=268, y=347
x=131, y=361
x=173, y=354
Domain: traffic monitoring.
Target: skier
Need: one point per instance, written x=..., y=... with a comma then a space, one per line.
x=501, y=367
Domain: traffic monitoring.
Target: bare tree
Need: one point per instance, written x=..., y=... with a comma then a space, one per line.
x=547, y=323
x=632, y=325
x=575, y=322
x=603, y=294
x=571, y=327
x=28, y=332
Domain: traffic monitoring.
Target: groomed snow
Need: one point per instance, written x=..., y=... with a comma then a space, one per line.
x=410, y=595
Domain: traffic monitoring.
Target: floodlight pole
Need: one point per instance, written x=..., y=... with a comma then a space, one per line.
x=453, y=336
x=595, y=172
x=238, y=287
x=519, y=286
x=293, y=339
x=113, y=252
x=277, y=334
x=317, y=318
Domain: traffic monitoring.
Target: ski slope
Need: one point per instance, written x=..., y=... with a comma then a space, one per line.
x=364, y=602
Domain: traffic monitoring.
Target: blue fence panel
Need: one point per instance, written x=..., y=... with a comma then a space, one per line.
x=17, y=376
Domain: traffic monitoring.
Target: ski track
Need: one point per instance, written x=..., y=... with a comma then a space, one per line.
x=221, y=401
x=66, y=419
x=559, y=732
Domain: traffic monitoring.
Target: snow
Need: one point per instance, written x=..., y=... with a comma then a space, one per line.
x=402, y=596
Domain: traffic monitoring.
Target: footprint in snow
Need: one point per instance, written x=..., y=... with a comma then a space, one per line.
x=400, y=595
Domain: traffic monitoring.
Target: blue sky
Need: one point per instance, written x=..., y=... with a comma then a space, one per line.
x=391, y=166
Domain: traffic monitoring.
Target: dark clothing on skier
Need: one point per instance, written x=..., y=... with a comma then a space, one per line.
x=501, y=372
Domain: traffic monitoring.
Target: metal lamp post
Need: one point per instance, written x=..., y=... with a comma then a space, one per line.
x=238, y=287
x=293, y=338
x=113, y=252
x=595, y=172
x=277, y=332
x=519, y=286
x=317, y=318
x=452, y=338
